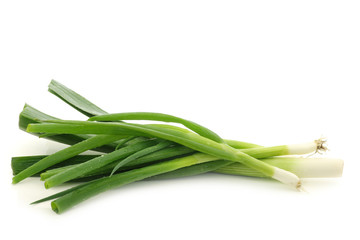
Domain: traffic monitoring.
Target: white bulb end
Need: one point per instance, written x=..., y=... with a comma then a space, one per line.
x=287, y=177
x=303, y=148
x=318, y=167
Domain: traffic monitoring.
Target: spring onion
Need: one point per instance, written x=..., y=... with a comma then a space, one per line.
x=82, y=170
x=71, y=198
x=189, y=139
x=129, y=152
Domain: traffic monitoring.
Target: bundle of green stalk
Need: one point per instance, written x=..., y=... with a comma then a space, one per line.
x=130, y=152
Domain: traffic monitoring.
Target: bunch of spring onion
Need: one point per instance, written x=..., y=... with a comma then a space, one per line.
x=129, y=152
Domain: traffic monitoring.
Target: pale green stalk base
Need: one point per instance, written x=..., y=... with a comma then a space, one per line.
x=302, y=167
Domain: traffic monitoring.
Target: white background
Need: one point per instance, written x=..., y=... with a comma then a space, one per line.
x=269, y=72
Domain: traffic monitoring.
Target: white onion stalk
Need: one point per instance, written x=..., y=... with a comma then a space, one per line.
x=175, y=134
x=314, y=146
x=280, y=174
x=289, y=177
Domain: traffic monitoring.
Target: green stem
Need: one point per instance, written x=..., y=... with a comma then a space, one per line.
x=18, y=164
x=141, y=153
x=95, y=163
x=195, y=170
x=188, y=139
x=65, y=154
x=263, y=152
x=201, y=130
x=98, y=186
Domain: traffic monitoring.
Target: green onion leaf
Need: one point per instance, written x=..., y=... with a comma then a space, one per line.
x=203, y=131
x=65, y=154
x=74, y=99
